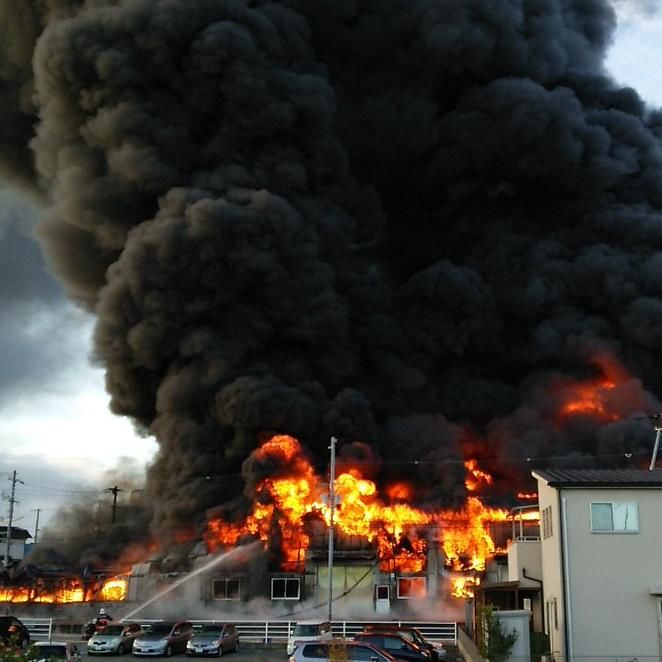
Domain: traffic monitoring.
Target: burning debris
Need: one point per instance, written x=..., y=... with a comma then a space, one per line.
x=431, y=230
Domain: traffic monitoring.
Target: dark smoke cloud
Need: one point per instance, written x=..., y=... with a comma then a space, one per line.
x=387, y=221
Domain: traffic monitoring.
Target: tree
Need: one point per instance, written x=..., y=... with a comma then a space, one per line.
x=496, y=644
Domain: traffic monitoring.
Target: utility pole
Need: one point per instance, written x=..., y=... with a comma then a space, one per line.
x=658, y=428
x=114, y=490
x=332, y=506
x=36, y=525
x=12, y=501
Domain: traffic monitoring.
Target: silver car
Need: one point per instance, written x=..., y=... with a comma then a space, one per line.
x=338, y=649
x=114, y=639
x=213, y=639
x=45, y=651
x=163, y=639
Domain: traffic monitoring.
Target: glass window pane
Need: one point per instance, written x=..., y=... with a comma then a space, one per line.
x=601, y=517
x=626, y=516
x=277, y=588
x=360, y=653
x=292, y=588
x=233, y=589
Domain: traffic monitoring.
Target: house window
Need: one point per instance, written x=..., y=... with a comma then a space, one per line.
x=226, y=589
x=615, y=517
x=547, y=522
x=381, y=592
x=411, y=587
x=285, y=588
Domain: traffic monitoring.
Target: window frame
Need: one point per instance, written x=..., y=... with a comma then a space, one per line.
x=613, y=529
x=226, y=580
x=286, y=580
x=411, y=596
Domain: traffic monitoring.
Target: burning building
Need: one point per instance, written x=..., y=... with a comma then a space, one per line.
x=430, y=228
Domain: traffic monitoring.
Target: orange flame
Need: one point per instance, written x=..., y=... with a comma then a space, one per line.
x=527, y=496
x=114, y=589
x=590, y=399
x=476, y=477
x=67, y=591
x=466, y=540
x=463, y=587
x=59, y=596
x=399, y=492
x=286, y=501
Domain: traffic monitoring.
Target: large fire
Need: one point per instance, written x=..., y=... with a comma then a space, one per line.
x=399, y=531
x=291, y=505
x=66, y=591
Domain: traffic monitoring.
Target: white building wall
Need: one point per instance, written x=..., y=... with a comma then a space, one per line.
x=552, y=569
x=610, y=576
x=16, y=548
x=524, y=554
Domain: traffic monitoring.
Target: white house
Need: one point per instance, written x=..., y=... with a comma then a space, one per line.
x=17, y=544
x=601, y=544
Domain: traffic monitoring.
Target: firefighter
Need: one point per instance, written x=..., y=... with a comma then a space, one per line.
x=102, y=620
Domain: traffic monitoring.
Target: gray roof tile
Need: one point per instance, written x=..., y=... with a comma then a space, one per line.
x=601, y=477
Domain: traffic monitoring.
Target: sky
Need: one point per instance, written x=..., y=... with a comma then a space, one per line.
x=56, y=430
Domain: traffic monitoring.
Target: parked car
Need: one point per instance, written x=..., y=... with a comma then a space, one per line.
x=13, y=630
x=437, y=651
x=338, y=649
x=45, y=651
x=213, y=639
x=115, y=638
x=395, y=644
x=308, y=631
x=163, y=639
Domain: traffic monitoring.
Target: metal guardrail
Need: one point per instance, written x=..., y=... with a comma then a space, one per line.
x=277, y=631
x=40, y=629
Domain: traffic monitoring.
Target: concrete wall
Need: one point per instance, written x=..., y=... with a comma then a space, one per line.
x=468, y=648
x=517, y=621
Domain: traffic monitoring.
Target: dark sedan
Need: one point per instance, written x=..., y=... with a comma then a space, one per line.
x=395, y=644
x=436, y=651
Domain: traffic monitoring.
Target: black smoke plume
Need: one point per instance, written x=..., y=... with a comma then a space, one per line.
x=392, y=221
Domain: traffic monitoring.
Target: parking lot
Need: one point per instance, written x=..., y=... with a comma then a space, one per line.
x=248, y=653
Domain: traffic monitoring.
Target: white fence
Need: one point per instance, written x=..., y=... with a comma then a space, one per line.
x=40, y=629
x=277, y=631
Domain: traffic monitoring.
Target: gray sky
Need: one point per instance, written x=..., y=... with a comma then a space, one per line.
x=55, y=427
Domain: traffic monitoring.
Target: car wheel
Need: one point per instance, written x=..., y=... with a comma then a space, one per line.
x=168, y=651
x=220, y=651
x=120, y=649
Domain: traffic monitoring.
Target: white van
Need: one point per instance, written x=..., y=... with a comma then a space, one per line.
x=308, y=631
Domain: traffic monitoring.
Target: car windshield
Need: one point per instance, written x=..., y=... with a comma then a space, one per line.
x=159, y=628
x=115, y=630
x=58, y=652
x=306, y=630
x=211, y=629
